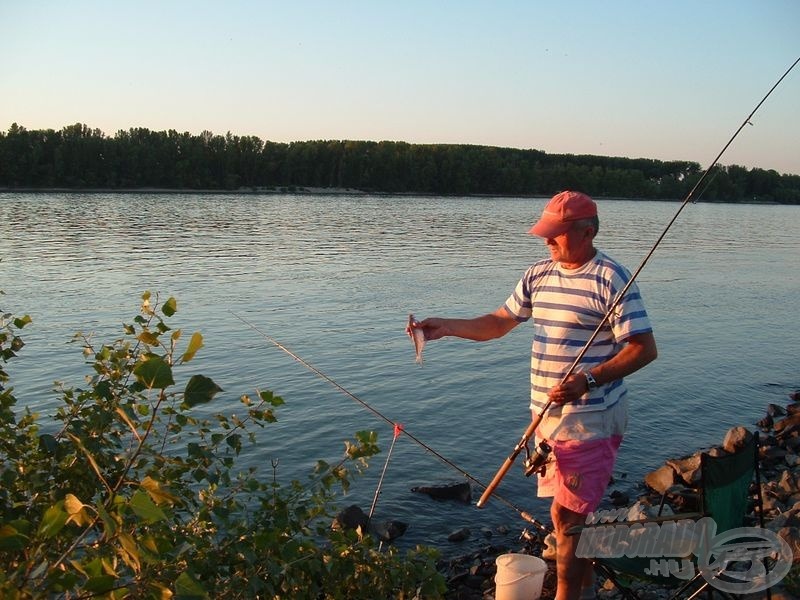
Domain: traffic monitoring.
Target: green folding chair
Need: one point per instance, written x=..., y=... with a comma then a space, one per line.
x=676, y=550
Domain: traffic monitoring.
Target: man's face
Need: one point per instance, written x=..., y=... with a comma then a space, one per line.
x=573, y=248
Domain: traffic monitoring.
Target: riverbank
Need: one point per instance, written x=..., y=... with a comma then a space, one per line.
x=471, y=576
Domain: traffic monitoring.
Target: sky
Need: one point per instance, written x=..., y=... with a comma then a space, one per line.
x=665, y=79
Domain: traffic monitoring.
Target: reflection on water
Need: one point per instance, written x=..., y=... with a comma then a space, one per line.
x=334, y=278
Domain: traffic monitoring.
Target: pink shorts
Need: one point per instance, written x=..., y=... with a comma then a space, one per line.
x=578, y=473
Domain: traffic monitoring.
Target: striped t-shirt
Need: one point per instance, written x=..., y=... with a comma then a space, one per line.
x=566, y=306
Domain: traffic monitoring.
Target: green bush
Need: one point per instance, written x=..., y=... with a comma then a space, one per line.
x=132, y=493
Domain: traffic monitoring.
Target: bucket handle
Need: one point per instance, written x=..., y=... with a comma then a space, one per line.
x=520, y=578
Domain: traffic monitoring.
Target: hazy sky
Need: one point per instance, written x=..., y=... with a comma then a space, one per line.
x=658, y=79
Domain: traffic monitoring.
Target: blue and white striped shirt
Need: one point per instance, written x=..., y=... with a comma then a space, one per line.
x=567, y=305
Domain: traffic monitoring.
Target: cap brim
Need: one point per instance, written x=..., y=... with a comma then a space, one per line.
x=549, y=229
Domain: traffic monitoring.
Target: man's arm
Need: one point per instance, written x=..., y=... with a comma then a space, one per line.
x=639, y=350
x=479, y=329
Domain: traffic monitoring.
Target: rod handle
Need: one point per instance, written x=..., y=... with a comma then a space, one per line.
x=529, y=432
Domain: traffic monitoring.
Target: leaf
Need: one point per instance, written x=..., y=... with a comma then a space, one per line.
x=109, y=523
x=76, y=510
x=11, y=539
x=164, y=593
x=194, y=345
x=148, y=337
x=77, y=441
x=53, y=520
x=235, y=442
x=127, y=420
x=158, y=495
x=187, y=588
x=98, y=585
x=72, y=505
x=270, y=398
x=20, y=322
x=154, y=372
x=170, y=307
x=131, y=551
x=199, y=390
x=145, y=508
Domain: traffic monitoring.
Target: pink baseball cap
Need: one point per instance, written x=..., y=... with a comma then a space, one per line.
x=561, y=211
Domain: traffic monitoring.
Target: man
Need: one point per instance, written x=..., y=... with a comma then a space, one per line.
x=568, y=295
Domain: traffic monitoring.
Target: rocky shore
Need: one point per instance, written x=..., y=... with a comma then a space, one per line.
x=471, y=576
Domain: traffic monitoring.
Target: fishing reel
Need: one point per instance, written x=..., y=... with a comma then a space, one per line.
x=535, y=462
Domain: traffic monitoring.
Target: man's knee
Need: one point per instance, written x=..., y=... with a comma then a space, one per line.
x=564, y=518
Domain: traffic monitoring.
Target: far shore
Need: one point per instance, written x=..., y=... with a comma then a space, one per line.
x=320, y=191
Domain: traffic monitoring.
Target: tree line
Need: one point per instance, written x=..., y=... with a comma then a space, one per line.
x=80, y=157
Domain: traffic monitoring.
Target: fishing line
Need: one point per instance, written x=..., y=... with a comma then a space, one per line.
x=530, y=431
x=522, y=513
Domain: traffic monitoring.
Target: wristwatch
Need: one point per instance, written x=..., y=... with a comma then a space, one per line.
x=590, y=381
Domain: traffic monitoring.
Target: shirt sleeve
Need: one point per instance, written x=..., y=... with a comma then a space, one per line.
x=630, y=317
x=519, y=302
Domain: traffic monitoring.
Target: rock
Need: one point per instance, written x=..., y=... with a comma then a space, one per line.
x=661, y=479
x=459, y=535
x=639, y=511
x=795, y=396
x=791, y=536
x=461, y=492
x=388, y=530
x=487, y=532
x=792, y=444
x=619, y=498
x=773, y=410
x=772, y=455
x=766, y=423
x=736, y=439
x=351, y=517
x=688, y=469
x=790, y=518
x=787, y=485
x=772, y=505
x=787, y=424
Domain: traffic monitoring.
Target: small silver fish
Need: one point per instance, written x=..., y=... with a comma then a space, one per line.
x=417, y=336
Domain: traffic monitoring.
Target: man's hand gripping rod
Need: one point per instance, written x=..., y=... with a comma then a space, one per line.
x=531, y=430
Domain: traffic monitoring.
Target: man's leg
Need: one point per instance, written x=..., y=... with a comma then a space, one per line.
x=572, y=572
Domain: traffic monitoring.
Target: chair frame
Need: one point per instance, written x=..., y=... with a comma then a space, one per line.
x=628, y=593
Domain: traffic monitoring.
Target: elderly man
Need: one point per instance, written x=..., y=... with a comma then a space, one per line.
x=567, y=296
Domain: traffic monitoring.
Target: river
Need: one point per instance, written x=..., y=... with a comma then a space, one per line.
x=334, y=277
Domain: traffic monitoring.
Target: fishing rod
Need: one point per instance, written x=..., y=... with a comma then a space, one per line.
x=531, y=430
x=397, y=427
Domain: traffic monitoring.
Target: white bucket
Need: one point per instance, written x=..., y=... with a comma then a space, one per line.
x=519, y=577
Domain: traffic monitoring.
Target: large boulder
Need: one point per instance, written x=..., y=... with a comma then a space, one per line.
x=787, y=424
x=661, y=479
x=389, y=530
x=351, y=517
x=688, y=469
x=736, y=439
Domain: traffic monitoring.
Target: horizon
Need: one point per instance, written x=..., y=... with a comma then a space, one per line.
x=661, y=81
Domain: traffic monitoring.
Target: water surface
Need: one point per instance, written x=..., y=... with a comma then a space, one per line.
x=334, y=278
